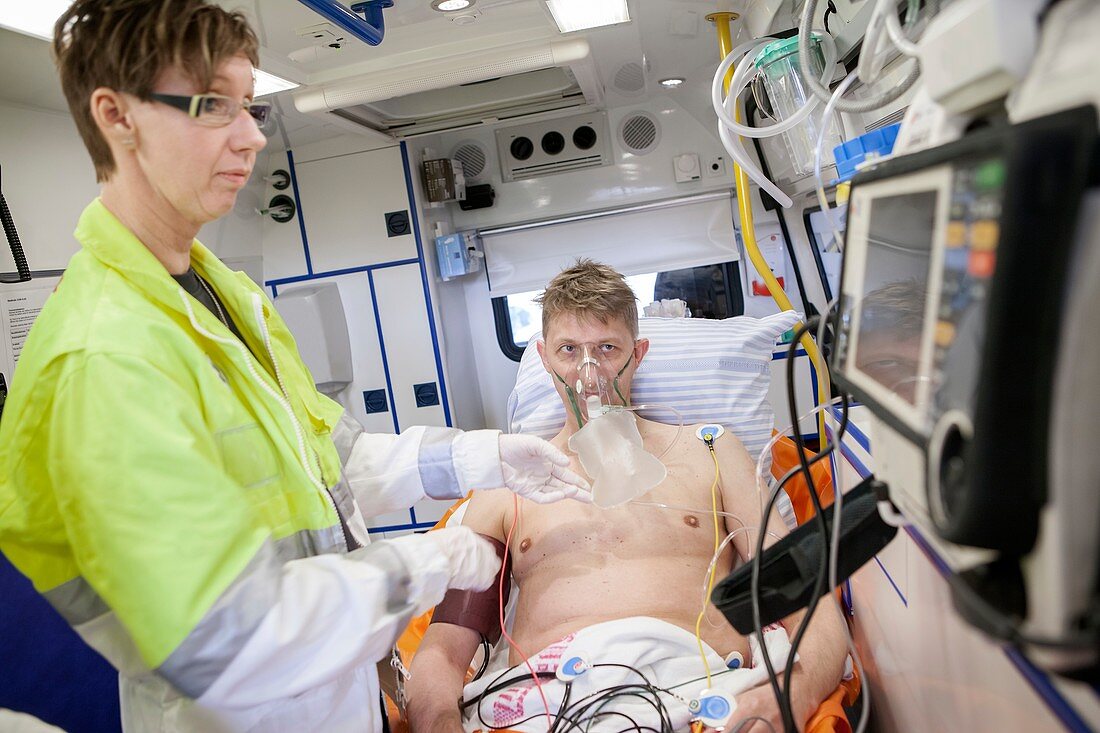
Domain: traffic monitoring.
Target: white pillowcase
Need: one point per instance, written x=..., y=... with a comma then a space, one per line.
x=711, y=371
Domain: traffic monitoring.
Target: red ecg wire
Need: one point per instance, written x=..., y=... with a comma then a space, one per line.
x=504, y=631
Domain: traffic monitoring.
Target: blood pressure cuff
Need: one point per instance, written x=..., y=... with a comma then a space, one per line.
x=478, y=610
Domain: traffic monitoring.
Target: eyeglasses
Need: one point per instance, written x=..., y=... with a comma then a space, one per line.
x=216, y=110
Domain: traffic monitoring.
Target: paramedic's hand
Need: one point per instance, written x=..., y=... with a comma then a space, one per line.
x=473, y=561
x=538, y=471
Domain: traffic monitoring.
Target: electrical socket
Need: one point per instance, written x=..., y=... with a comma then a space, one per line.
x=715, y=167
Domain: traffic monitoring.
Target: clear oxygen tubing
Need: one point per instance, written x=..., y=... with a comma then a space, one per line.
x=722, y=548
x=748, y=233
x=679, y=423
x=876, y=48
x=674, y=507
x=728, y=114
x=819, y=149
x=761, y=482
x=822, y=92
x=733, y=143
x=897, y=34
x=745, y=71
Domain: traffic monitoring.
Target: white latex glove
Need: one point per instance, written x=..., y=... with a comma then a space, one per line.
x=538, y=471
x=473, y=561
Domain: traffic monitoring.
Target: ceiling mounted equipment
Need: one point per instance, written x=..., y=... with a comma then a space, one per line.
x=553, y=146
x=579, y=15
x=485, y=85
x=630, y=79
x=451, y=6
x=370, y=28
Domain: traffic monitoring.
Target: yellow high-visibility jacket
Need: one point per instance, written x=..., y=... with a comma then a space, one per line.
x=177, y=496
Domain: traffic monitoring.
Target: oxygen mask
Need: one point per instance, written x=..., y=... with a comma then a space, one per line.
x=608, y=443
x=592, y=386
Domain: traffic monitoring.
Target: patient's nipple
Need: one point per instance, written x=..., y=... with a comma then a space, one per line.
x=525, y=545
x=691, y=520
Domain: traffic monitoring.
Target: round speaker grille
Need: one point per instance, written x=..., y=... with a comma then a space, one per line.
x=630, y=78
x=639, y=133
x=472, y=157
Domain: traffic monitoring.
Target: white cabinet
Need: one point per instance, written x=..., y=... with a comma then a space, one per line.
x=344, y=201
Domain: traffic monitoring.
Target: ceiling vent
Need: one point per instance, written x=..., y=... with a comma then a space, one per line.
x=554, y=146
x=487, y=85
x=473, y=158
x=629, y=79
x=639, y=132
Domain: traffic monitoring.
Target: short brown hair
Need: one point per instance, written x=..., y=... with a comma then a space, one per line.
x=897, y=307
x=126, y=44
x=589, y=289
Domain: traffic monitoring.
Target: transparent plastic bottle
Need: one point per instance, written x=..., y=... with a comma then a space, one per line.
x=778, y=66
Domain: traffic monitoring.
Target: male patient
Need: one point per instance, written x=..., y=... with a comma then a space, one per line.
x=614, y=581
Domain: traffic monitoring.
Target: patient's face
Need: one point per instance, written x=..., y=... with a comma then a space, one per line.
x=891, y=361
x=567, y=340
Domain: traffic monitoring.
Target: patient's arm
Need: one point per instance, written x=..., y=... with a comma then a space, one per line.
x=438, y=670
x=437, y=677
x=823, y=646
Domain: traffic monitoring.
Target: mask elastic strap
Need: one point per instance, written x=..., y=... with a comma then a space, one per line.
x=616, y=382
x=572, y=399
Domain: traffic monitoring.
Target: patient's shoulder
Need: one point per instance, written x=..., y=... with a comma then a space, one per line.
x=687, y=436
x=486, y=510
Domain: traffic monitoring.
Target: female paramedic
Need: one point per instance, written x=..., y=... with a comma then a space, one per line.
x=170, y=479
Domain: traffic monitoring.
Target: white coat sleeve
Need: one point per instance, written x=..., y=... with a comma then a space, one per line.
x=307, y=621
x=391, y=472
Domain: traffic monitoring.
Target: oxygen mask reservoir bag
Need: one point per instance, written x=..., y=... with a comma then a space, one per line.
x=610, y=450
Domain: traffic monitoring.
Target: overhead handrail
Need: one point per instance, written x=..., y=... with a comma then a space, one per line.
x=370, y=28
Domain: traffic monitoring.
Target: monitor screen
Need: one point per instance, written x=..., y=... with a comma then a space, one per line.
x=895, y=285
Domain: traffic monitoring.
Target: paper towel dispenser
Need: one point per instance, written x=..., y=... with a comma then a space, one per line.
x=315, y=316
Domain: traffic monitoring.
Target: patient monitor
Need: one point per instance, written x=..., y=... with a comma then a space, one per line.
x=969, y=277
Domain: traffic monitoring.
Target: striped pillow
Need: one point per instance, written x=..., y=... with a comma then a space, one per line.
x=711, y=371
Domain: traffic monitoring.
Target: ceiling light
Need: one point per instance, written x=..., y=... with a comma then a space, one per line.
x=35, y=19
x=450, y=6
x=672, y=82
x=577, y=15
x=270, y=84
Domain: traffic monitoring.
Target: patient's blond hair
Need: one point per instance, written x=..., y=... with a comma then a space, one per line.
x=589, y=289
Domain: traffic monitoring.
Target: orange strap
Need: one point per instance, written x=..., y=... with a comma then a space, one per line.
x=784, y=458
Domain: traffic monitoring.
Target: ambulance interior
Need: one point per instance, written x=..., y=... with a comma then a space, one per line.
x=434, y=163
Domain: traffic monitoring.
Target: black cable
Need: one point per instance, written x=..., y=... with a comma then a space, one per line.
x=605, y=696
x=561, y=708
x=496, y=686
x=562, y=714
x=830, y=10
x=570, y=715
x=755, y=589
x=819, y=589
x=486, y=650
x=783, y=696
x=16, y=247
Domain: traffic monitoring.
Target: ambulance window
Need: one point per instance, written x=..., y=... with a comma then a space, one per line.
x=711, y=291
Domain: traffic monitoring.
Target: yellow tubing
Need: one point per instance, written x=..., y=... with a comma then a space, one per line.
x=748, y=234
